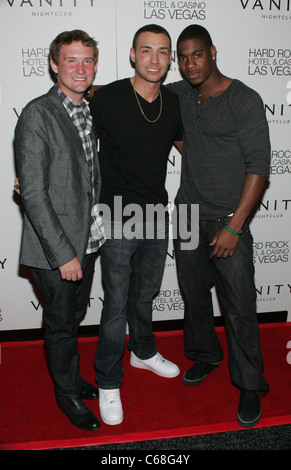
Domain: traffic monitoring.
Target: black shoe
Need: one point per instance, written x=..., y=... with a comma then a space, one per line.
x=249, y=409
x=78, y=413
x=89, y=392
x=197, y=373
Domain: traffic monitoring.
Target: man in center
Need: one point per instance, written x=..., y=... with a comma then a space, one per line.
x=137, y=120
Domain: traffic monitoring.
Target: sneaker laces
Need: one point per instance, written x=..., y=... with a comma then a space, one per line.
x=159, y=358
x=111, y=396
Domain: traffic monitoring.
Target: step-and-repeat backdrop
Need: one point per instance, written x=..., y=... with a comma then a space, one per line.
x=253, y=42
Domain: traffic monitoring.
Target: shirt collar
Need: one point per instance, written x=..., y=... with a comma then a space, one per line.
x=70, y=105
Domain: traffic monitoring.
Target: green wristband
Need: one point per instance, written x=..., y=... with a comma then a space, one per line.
x=234, y=232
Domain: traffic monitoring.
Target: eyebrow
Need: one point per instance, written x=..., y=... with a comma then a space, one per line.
x=151, y=47
x=193, y=52
x=76, y=57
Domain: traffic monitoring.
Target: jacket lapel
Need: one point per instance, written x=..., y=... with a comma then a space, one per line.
x=66, y=123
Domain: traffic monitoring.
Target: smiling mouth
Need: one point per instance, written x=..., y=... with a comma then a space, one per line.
x=192, y=74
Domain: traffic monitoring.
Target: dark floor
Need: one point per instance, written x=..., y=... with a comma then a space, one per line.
x=269, y=438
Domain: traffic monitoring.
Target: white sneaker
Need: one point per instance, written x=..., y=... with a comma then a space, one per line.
x=156, y=364
x=110, y=406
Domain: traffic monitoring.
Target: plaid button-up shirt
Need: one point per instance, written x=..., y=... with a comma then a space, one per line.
x=82, y=119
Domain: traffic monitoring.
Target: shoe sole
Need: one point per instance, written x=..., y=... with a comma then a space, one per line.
x=198, y=381
x=138, y=365
x=248, y=424
x=111, y=423
x=192, y=383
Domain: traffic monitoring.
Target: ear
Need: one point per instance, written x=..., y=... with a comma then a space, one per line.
x=213, y=52
x=54, y=66
x=132, y=54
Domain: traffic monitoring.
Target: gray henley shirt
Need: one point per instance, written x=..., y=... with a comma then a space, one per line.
x=224, y=139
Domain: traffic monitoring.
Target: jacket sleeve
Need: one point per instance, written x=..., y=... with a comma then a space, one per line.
x=32, y=149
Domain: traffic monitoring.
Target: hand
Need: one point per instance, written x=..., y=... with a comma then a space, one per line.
x=17, y=186
x=224, y=244
x=71, y=271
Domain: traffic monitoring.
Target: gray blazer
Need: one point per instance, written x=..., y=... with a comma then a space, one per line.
x=55, y=184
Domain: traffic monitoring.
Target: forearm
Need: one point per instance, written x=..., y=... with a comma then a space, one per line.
x=253, y=188
x=178, y=144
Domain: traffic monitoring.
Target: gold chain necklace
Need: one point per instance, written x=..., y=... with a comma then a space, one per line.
x=142, y=111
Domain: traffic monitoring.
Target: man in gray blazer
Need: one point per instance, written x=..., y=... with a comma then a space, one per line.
x=60, y=183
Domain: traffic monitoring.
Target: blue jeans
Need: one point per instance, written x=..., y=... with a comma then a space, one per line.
x=233, y=278
x=64, y=304
x=132, y=271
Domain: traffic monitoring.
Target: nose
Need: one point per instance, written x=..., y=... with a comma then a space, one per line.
x=191, y=62
x=80, y=68
x=154, y=57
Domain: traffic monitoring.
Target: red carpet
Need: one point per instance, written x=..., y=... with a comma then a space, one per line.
x=154, y=407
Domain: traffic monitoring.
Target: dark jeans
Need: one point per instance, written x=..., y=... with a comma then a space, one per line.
x=65, y=303
x=132, y=271
x=233, y=278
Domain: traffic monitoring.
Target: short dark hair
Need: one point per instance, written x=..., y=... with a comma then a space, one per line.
x=67, y=37
x=150, y=28
x=195, y=31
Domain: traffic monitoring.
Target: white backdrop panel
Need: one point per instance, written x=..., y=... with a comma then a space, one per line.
x=253, y=43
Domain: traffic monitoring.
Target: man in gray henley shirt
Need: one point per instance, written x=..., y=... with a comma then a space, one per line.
x=225, y=168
